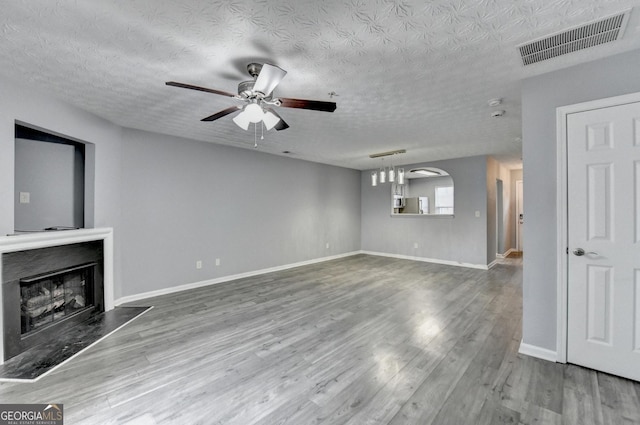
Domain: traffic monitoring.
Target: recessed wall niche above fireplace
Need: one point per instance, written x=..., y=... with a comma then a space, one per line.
x=54, y=181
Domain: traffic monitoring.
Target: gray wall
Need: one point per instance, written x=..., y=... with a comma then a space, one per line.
x=173, y=201
x=53, y=175
x=493, y=173
x=462, y=238
x=22, y=104
x=541, y=95
x=499, y=243
x=186, y=201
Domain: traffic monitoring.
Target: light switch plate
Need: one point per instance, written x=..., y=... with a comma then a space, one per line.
x=25, y=197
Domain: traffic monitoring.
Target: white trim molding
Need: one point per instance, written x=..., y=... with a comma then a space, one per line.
x=430, y=260
x=194, y=285
x=538, y=352
x=506, y=254
x=562, y=241
x=24, y=242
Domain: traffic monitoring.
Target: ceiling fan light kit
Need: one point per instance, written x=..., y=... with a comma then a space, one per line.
x=270, y=120
x=242, y=120
x=258, y=94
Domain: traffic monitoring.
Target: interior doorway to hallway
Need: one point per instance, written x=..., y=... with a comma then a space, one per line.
x=519, y=216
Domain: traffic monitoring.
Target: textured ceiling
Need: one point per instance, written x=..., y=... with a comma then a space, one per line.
x=409, y=74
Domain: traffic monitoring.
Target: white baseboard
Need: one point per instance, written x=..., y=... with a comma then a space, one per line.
x=506, y=254
x=186, y=287
x=493, y=263
x=538, y=352
x=428, y=260
x=195, y=285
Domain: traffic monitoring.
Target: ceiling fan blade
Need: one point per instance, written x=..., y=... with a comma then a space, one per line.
x=204, y=89
x=269, y=77
x=316, y=105
x=222, y=113
x=281, y=125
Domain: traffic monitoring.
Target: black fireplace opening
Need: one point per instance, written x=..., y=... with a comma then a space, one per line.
x=52, y=297
x=48, y=292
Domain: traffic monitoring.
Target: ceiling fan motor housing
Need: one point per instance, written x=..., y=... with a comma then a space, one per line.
x=245, y=88
x=254, y=69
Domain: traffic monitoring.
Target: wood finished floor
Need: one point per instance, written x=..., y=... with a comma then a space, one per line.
x=361, y=340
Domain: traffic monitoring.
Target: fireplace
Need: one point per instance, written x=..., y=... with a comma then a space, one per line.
x=49, y=298
x=48, y=291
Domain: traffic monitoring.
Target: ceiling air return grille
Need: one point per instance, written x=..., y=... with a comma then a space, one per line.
x=572, y=40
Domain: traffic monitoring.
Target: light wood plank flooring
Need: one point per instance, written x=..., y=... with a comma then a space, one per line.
x=361, y=340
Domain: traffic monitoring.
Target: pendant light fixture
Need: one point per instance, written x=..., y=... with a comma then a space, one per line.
x=391, y=175
x=400, y=175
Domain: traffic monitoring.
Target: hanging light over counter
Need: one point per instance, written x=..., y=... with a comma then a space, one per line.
x=385, y=174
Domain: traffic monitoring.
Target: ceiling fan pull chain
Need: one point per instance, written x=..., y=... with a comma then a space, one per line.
x=262, y=130
x=255, y=135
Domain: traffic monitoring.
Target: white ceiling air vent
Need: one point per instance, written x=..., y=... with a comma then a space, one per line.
x=588, y=35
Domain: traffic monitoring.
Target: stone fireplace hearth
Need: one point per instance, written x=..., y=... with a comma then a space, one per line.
x=50, y=281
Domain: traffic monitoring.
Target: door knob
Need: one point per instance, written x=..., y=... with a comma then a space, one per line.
x=580, y=252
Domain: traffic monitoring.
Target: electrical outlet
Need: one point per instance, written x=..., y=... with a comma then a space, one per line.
x=25, y=197
x=415, y=244
x=217, y=261
x=327, y=246
x=477, y=214
x=199, y=264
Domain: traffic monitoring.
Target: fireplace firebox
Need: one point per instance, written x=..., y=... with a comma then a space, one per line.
x=48, y=298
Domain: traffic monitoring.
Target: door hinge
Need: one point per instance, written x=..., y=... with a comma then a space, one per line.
x=567, y=250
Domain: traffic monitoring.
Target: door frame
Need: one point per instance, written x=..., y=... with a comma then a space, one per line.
x=500, y=219
x=562, y=237
x=519, y=193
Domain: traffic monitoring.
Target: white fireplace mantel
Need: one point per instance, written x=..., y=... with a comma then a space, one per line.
x=24, y=242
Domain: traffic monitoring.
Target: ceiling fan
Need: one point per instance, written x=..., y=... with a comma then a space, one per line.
x=257, y=94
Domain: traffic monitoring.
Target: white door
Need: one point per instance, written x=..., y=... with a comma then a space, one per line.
x=519, y=214
x=603, y=186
